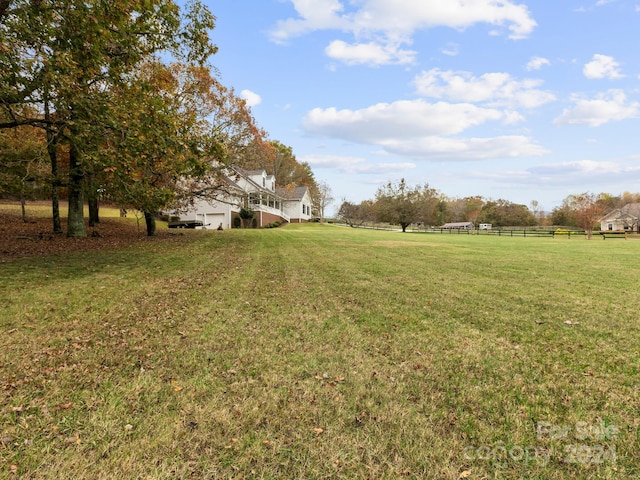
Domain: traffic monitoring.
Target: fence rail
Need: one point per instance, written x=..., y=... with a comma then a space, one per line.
x=513, y=232
x=504, y=232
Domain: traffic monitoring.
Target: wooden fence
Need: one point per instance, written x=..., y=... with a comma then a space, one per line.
x=504, y=232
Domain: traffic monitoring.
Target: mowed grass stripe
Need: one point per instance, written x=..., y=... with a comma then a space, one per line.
x=318, y=351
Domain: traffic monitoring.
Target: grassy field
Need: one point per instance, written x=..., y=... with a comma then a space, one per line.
x=317, y=351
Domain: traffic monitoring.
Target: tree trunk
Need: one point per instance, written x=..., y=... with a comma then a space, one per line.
x=94, y=217
x=55, y=179
x=150, y=220
x=23, y=201
x=55, y=207
x=75, y=220
x=92, y=200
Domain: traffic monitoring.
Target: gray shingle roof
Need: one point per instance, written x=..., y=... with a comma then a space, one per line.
x=296, y=194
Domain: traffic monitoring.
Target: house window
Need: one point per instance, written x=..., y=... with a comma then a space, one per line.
x=264, y=182
x=610, y=226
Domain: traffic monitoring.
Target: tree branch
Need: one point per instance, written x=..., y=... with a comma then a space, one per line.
x=4, y=6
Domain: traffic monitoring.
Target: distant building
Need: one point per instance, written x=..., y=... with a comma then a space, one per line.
x=459, y=225
x=625, y=219
x=485, y=226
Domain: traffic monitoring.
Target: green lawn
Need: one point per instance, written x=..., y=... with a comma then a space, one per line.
x=317, y=351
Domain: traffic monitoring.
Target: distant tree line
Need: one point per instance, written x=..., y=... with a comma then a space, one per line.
x=398, y=203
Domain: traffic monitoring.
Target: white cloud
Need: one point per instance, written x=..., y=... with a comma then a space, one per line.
x=444, y=148
x=585, y=174
x=495, y=89
x=592, y=7
x=606, y=107
x=580, y=173
x=407, y=16
x=451, y=49
x=602, y=66
x=580, y=167
x=355, y=164
x=402, y=119
x=391, y=23
x=251, y=98
x=419, y=129
x=369, y=53
x=536, y=63
x=314, y=15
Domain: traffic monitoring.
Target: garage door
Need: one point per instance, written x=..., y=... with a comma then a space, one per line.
x=213, y=220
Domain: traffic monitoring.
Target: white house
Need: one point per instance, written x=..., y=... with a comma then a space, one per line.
x=297, y=203
x=626, y=219
x=255, y=190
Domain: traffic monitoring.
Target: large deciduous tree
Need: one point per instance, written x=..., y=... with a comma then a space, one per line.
x=162, y=141
x=286, y=169
x=503, y=213
x=356, y=214
x=586, y=209
x=24, y=168
x=398, y=203
x=428, y=202
x=65, y=58
x=322, y=198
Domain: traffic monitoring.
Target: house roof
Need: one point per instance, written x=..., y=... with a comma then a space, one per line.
x=246, y=174
x=457, y=224
x=629, y=210
x=632, y=209
x=295, y=194
x=249, y=172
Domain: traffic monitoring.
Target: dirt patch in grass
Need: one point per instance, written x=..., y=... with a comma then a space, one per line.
x=36, y=237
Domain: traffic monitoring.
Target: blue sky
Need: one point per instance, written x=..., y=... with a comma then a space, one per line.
x=520, y=100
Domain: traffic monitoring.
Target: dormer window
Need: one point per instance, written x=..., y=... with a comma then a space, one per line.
x=264, y=182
